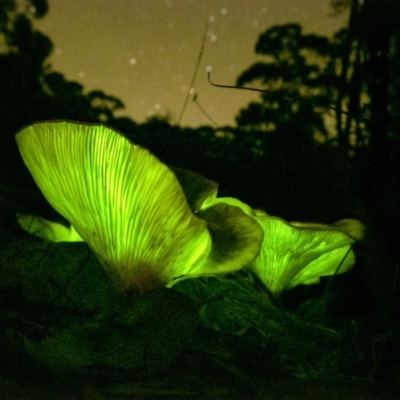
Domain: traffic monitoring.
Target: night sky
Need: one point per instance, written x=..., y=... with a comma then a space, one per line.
x=145, y=51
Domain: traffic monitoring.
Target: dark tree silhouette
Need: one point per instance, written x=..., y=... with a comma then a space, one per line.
x=104, y=105
x=297, y=80
x=286, y=128
x=369, y=85
x=369, y=90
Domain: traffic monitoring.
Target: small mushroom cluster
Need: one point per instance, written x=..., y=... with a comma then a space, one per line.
x=151, y=225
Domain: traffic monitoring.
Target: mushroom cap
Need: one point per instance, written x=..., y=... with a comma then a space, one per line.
x=300, y=253
x=351, y=227
x=47, y=230
x=325, y=265
x=123, y=202
x=236, y=235
x=131, y=209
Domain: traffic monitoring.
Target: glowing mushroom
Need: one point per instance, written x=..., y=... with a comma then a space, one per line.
x=48, y=230
x=300, y=253
x=221, y=215
x=130, y=208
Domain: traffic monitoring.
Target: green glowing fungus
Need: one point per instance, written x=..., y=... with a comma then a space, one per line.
x=230, y=221
x=48, y=230
x=131, y=209
x=300, y=253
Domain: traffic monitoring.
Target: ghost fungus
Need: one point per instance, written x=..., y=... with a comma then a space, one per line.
x=105, y=186
x=230, y=222
x=238, y=237
x=300, y=253
x=47, y=230
x=130, y=208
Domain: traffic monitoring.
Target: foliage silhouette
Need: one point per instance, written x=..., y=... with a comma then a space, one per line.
x=369, y=62
x=297, y=79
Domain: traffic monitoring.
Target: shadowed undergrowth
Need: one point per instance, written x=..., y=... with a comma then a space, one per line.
x=66, y=332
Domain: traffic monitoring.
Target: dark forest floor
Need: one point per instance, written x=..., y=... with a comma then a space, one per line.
x=67, y=334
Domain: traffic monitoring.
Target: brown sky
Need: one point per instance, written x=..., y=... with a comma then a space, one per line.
x=145, y=51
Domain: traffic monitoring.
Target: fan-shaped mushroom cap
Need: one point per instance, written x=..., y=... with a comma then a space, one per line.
x=130, y=208
x=236, y=236
x=122, y=201
x=47, y=230
x=300, y=253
